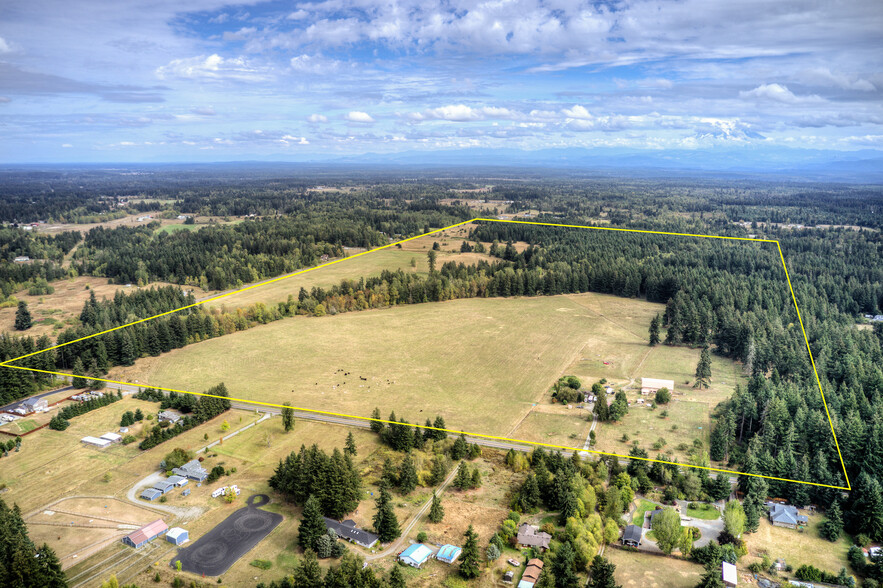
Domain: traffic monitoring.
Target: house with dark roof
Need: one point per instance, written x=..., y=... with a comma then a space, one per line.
x=632, y=536
x=531, y=536
x=785, y=515
x=349, y=531
x=146, y=534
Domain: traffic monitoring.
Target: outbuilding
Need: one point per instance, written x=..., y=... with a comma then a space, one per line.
x=416, y=555
x=146, y=534
x=653, y=385
x=112, y=437
x=35, y=405
x=96, y=441
x=177, y=535
x=164, y=486
x=448, y=553
x=151, y=494
x=177, y=480
x=729, y=575
x=632, y=536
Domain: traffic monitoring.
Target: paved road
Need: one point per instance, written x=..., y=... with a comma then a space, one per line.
x=11, y=407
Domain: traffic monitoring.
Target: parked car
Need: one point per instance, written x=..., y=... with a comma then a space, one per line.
x=513, y=562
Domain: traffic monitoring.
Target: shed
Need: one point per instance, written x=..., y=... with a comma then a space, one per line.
x=177, y=480
x=112, y=437
x=416, y=555
x=192, y=470
x=729, y=574
x=146, y=534
x=531, y=573
x=151, y=494
x=507, y=577
x=95, y=441
x=177, y=535
x=35, y=404
x=164, y=486
x=448, y=553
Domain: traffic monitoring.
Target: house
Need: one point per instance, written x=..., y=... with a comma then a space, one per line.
x=652, y=385
x=177, y=480
x=112, y=437
x=22, y=259
x=416, y=555
x=191, y=470
x=531, y=573
x=785, y=515
x=164, y=486
x=95, y=441
x=177, y=535
x=35, y=405
x=448, y=553
x=653, y=513
x=168, y=416
x=632, y=536
x=530, y=536
x=349, y=531
x=146, y=534
x=182, y=217
x=508, y=576
x=151, y=494
x=588, y=397
x=728, y=572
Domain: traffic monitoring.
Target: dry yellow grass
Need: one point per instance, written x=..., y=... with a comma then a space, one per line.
x=641, y=570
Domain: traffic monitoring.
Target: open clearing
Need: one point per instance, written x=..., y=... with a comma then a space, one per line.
x=479, y=363
x=642, y=570
x=796, y=547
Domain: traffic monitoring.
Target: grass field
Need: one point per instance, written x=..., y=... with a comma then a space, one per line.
x=453, y=358
x=797, y=548
x=643, y=507
x=641, y=570
x=706, y=512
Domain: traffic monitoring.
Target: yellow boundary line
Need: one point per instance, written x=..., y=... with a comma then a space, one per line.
x=456, y=432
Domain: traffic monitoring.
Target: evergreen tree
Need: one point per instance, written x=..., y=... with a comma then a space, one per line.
x=469, y=557
x=350, y=447
x=23, y=319
x=436, y=511
x=703, y=369
x=396, y=577
x=307, y=574
x=386, y=525
x=460, y=448
x=601, y=409
x=312, y=526
x=78, y=371
x=654, y=330
x=376, y=425
x=563, y=567
x=462, y=479
x=712, y=577
x=601, y=573
x=833, y=527
x=407, y=475
x=287, y=417
x=439, y=423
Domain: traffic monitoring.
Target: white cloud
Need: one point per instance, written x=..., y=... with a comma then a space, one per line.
x=298, y=15
x=454, y=112
x=359, y=117
x=5, y=99
x=317, y=118
x=242, y=34
x=314, y=64
x=212, y=67
x=66, y=145
x=203, y=111
x=778, y=93
x=577, y=112
x=822, y=76
x=4, y=46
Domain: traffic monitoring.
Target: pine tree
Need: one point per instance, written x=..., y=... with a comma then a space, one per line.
x=308, y=574
x=703, y=369
x=654, y=331
x=439, y=469
x=711, y=578
x=476, y=479
x=78, y=371
x=439, y=423
x=436, y=511
x=312, y=525
x=601, y=410
x=460, y=448
x=407, y=475
x=833, y=527
x=469, y=558
x=376, y=425
x=396, y=577
x=23, y=319
x=562, y=567
x=601, y=573
x=386, y=525
x=462, y=479
x=287, y=417
x=350, y=447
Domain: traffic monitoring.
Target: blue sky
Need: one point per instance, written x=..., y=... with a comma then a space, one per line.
x=204, y=80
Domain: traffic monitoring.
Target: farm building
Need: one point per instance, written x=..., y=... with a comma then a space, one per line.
x=112, y=437
x=531, y=573
x=349, y=531
x=632, y=536
x=652, y=385
x=448, y=553
x=177, y=535
x=416, y=555
x=728, y=573
x=783, y=515
x=22, y=259
x=35, y=405
x=151, y=494
x=146, y=534
x=177, y=480
x=192, y=470
x=164, y=486
x=96, y=441
x=530, y=536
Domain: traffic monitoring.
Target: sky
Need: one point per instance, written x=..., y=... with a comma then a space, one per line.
x=207, y=80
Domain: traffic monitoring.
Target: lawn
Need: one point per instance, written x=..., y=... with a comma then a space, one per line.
x=643, y=507
x=706, y=512
x=641, y=570
x=796, y=547
x=568, y=428
x=26, y=426
x=453, y=358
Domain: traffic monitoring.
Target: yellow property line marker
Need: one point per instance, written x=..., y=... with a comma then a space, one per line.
x=291, y=275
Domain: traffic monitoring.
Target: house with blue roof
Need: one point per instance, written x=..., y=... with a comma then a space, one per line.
x=448, y=553
x=416, y=555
